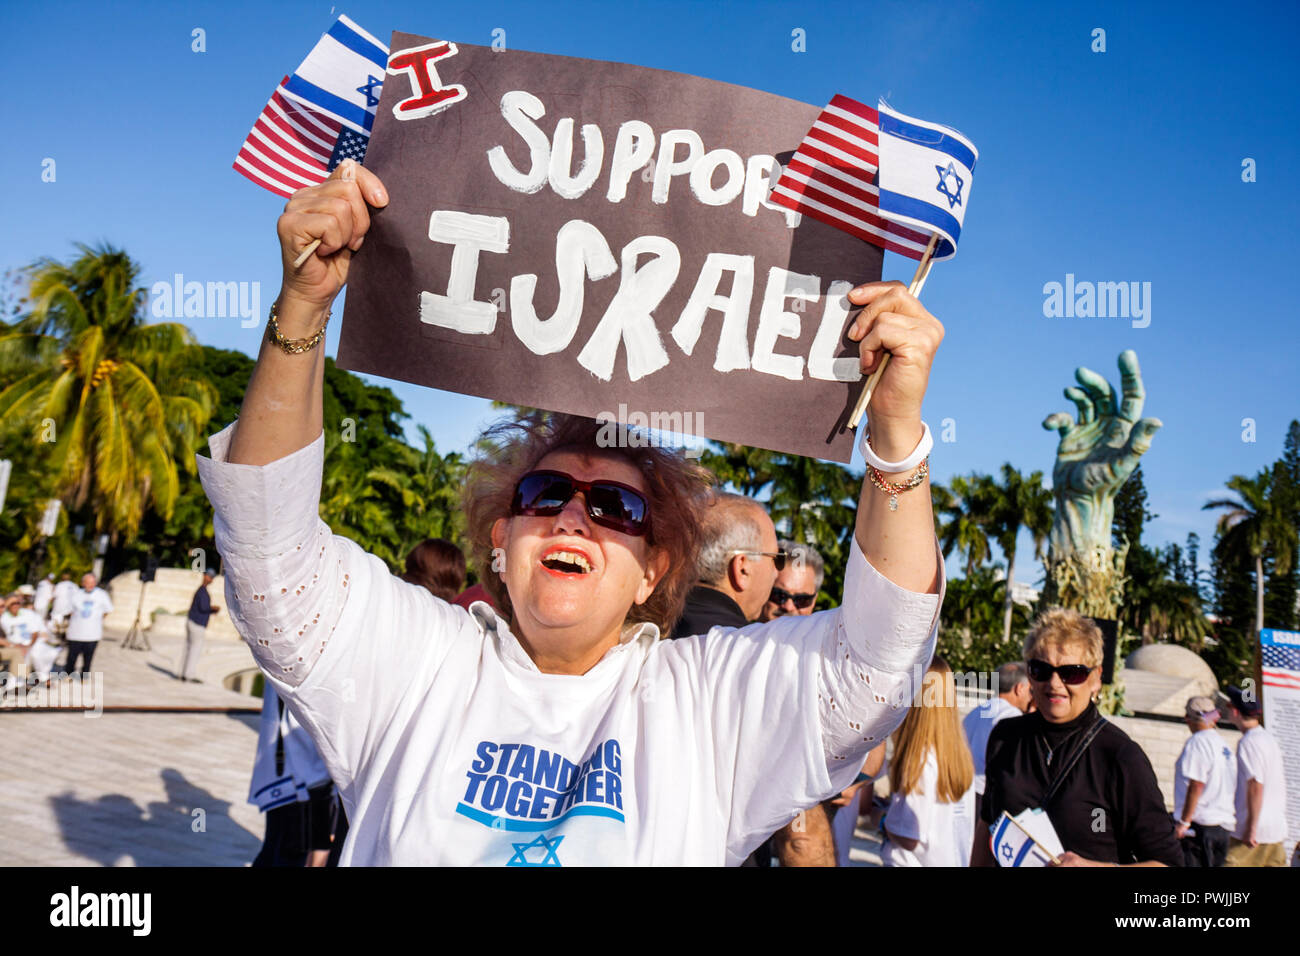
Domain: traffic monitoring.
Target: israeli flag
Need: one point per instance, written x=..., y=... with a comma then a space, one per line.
x=1027, y=839
x=925, y=177
x=342, y=76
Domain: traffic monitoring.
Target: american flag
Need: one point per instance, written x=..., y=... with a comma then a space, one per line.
x=1281, y=666
x=833, y=178
x=291, y=146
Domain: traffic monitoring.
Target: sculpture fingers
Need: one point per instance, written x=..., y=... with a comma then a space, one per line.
x=1083, y=402
x=1130, y=377
x=1139, y=440
x=1103, y=396
x=1059, y=421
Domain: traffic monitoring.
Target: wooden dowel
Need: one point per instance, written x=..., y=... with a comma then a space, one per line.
x=918, y=283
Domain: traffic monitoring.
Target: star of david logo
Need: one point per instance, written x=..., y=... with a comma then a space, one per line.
x=1006, y=850
x=369, y=90
x=541, y=843
x=948, y=176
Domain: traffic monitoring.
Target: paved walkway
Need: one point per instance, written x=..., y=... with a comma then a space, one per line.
x=133, y=768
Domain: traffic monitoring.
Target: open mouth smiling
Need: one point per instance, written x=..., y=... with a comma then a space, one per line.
x=566, y=561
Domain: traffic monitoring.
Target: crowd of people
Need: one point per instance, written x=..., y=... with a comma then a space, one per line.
x=550, y=724
x=1228, y=810
x=42, y=624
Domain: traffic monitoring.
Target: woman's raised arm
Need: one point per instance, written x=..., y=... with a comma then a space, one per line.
x=898, y=543
x=282, y=408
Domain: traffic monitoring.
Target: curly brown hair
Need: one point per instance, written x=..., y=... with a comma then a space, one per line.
x=678, y=491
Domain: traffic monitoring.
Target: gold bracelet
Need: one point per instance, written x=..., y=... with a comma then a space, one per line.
x=895, y=489
x=293, y=346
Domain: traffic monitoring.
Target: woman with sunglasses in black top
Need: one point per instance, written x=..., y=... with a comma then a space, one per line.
x=1102, y=796
x=559, y=729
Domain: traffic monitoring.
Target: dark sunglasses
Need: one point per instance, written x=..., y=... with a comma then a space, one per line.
x=609, y=503
x=801, y=601
x=778, y=557
x=1041, y=672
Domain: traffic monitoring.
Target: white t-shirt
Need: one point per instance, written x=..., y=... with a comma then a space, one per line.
x=451, y=747
x=88, y=610
x=44, y=592
x=65, y=592
x=1207, y=758
x=979, y=724
x=20, y=628
x=944, y=831
x=1260, y=758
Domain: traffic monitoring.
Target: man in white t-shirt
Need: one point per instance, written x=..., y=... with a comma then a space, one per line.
x=86, y=625
x=1261, y=789
x=1012, y=701
x=44, y=594
x=65, y=592
x=1204, y=778
x=21, y=628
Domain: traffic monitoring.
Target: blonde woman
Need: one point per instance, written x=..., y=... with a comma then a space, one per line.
x=931, y=816
x=1094, y=783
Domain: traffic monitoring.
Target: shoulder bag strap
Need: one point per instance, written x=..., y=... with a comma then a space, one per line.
x=279, y=738
x=1079, y=751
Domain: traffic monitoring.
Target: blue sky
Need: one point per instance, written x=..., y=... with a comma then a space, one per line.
x=1117, y=166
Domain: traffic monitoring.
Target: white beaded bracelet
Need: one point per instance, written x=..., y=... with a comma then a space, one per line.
x=907, y=464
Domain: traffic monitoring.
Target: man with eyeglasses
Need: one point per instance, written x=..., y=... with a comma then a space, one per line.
x=738, y=564
x=797, y=584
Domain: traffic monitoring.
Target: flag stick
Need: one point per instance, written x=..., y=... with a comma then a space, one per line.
x=918, y=281
x=349, y=174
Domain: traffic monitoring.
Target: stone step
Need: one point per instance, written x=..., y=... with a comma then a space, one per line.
x=172, y=592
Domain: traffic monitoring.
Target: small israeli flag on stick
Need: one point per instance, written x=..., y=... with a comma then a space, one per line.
x=342, y=76
x=924, y=184
x=1015, y=845
x=926, y=172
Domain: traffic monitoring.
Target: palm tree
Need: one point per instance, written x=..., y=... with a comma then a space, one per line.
x=962, y=518
x=112, y=391
x=962, y=510
x=813, y=502
x=1258, y=520
x=1018, y=502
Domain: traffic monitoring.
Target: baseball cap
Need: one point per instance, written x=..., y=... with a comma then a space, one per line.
x=1248, y=708
x=1201, y=707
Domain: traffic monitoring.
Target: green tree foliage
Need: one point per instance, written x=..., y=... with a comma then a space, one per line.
x=1017, y=502
x=970, y=628
x=1131, y=512
x=1257, y=527
x=1161, y=605
x=114, y=393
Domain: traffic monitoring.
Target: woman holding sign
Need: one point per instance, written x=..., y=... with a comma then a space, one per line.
x=561, y=730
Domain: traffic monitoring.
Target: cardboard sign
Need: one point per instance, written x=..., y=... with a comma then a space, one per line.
x=595, y=238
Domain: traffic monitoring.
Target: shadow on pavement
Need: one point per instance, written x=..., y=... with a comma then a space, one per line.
x=191, y=828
